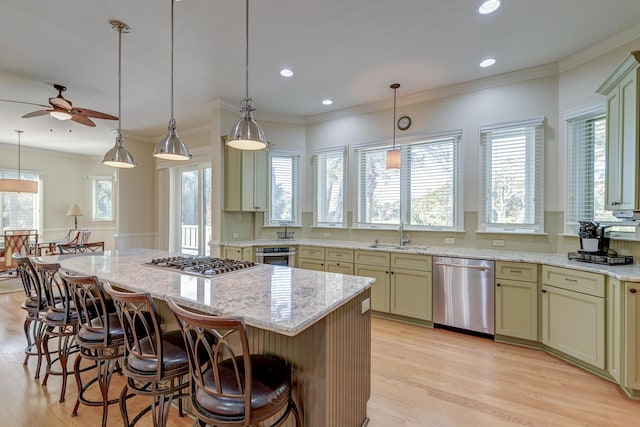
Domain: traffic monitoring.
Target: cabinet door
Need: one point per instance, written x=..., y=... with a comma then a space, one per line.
x=232, y=252
x=339, y=267
x=411, y=293
x=311, y=252
x=517, y=309
x=614, y=328
x=632, y=335
x=380, y=289
x=311, y=264
x=254, y=181
x=573, y=323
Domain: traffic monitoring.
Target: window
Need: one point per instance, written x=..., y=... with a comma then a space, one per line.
x=423, y=193
x=512, y=198
x=329, y=179
x=102, y=198
x=586, y=168
x=284, y=207
x=20, y=210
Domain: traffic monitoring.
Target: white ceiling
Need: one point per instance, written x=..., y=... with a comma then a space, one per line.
x=346, y=50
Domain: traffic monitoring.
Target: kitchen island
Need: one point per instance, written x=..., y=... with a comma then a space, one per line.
x=320, y=322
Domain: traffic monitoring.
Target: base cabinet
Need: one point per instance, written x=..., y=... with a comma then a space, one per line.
x=632, y=335
x=380, y=290
x=333, y=260
x=573, y=322
x=516, y=301
x=615, y=312
x=237, y=253
x=411, y=293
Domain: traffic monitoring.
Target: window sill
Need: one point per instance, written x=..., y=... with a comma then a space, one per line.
x=513, y=233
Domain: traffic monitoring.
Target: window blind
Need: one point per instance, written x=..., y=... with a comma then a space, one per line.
x=329, y=182
x=20, y=210
x=512, y=173
x=586, y=168
x=283, y=200
x=423, y=193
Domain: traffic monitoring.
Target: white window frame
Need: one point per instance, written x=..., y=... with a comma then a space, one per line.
x=320, y=210
x=404, y=190
x=94, y=181
x=533, y=131
x=296, y=219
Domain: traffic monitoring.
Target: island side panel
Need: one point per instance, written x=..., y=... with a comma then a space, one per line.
x=332, y=360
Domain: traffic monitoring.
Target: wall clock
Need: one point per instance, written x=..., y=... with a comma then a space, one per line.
x=404, y=122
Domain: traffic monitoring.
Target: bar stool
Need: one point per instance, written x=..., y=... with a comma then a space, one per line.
x=155, y=361
x=35, y=304
x=230, y=386
x=100, y=338
x=60, y=321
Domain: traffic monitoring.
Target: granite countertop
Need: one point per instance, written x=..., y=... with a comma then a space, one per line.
x=629, y=272
x=279, y=299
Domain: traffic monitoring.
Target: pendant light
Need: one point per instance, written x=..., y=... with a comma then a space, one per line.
x=247, y=134
x=171, y=146
x=18, y=185
x=393, y=155
x=118, y=156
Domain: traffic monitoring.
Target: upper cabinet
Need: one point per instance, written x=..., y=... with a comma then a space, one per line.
x=245, y=180
x=621, y=90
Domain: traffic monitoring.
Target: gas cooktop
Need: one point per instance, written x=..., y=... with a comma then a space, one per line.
x=205, y=266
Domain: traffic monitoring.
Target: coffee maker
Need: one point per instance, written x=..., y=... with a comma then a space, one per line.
x=594, y=238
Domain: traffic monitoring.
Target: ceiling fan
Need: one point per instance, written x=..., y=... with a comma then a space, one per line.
x=62, y=109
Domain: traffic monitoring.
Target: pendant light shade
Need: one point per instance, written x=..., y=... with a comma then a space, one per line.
x=393, y=155
x=247, y=134
x=118, y=156
x=18, y=185
x=171, y=146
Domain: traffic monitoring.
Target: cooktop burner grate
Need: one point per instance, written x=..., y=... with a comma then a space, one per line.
x=200, y=265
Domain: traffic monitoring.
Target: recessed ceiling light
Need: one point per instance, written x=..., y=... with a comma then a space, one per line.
x=285, y=72
x=489, y=6
x=487, y=62
x=327, y=102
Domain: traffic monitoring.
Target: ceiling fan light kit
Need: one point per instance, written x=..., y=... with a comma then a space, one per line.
x=247, y=134
x=171, y=146
x=118, y=156
x=10, y=185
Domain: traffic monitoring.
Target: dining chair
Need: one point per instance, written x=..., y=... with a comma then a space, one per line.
x=22, y=242
x=155, y=361
x=229, y=386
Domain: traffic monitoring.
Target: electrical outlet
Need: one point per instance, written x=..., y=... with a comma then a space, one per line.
x=366, y=305
x=236, y=235
x=325, y=234
x=498, y=243
x=449, y=240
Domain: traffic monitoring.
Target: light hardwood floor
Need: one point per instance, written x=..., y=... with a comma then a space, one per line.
x=420, y=377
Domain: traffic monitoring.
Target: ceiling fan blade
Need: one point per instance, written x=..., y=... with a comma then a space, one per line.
x=36, y=113
x=23, y=102
x=60, y=102
x=92, y=113
x=82, y=120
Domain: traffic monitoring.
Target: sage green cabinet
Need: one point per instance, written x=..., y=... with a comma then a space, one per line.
x=380, y=290
x=245, y=180
x=622, y=172
x=334, y=260
x=237, y=253
x=573, y=314
x=615, y=306
x=632, y=335
x=516, y=300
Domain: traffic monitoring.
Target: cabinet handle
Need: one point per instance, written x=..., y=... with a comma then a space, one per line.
x=570, y=280
x=498, y=284
x=615, y=203
x=544, y=291
x=515, y=271
x=386, y=272
x=632, y=290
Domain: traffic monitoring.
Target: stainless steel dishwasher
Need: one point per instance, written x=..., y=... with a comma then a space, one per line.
x=463, y=294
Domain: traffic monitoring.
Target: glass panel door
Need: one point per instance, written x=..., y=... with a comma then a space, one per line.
x=192, y=217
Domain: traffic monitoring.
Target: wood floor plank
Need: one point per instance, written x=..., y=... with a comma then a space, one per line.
x=421, y=377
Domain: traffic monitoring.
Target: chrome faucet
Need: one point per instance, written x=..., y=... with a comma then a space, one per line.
x=404, y=239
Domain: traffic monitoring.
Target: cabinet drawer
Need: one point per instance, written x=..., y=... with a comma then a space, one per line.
x=517, y=271
x=574, y=280
x=335, y=254
x=311, y=252
x=411, y=262
x=372, y=258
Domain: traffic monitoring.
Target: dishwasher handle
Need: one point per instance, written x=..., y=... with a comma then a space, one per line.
x=476, y=267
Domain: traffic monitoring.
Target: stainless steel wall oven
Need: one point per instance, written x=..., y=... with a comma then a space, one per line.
x=281, y=255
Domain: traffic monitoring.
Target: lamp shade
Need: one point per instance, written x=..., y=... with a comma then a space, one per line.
x=393, y=159
x=118, y=156
x=247, y=134
x=18, y=186
x=75, y=210
x=171, y=146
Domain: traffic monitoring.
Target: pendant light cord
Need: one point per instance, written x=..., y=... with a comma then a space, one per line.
x=395, y=87
x=246, y=75
x=19, y=133
x=172, y=1
x=119, y=84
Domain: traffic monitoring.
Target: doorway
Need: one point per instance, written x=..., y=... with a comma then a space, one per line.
x=191, y=213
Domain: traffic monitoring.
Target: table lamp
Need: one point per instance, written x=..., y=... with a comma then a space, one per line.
x=75, y=211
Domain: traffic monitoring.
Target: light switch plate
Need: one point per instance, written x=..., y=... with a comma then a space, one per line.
x=366, y=305
x=325, y=234
x=498, y=243
x=236, y=235
x=449, y=240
